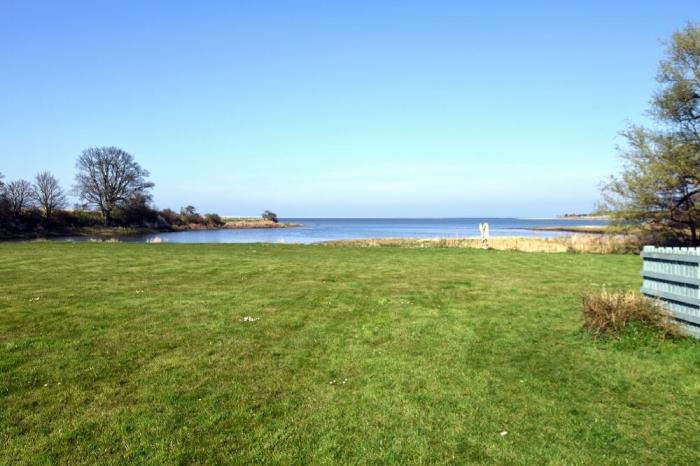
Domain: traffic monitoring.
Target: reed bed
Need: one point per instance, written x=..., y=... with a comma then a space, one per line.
x=580, y=243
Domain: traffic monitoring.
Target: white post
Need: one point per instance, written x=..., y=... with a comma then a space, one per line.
x=484, y=230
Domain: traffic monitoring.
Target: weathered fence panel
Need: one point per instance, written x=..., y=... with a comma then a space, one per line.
x=673, y=276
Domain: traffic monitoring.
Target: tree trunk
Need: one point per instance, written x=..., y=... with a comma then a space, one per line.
x=107, y=215
x=694, y=233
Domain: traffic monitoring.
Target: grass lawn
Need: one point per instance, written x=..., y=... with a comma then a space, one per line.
x=137, y=353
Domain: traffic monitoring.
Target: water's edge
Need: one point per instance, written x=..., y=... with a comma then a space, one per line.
x=317, y=230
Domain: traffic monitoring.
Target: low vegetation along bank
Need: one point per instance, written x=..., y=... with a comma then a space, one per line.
x=586, y=243
x=87, y=223
x=258, y=354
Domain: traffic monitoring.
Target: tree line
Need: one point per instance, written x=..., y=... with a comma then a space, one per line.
x=45, y=193
x=113, y=190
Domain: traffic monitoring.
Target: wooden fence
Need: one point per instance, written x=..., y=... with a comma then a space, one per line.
x=673, y=276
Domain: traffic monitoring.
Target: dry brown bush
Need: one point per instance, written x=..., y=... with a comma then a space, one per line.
x=608, y=312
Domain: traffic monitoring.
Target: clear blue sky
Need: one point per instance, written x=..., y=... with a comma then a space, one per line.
x=356, y=108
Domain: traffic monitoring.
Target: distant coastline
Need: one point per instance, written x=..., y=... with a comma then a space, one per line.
x=583, y=217
x=590, y=229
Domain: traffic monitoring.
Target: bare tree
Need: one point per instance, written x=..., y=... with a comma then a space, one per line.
x=19, y=195
x=108, y=177
x=4, y=205
x=48, y=193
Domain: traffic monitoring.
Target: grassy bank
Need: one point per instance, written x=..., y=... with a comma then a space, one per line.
x=598, y=244
x=92, y=231
x=144, y=354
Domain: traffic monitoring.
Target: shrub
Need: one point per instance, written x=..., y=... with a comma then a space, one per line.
x=213, y=220
x=172, y=217
x=189, y=215
x=607, y=313
x=270, y=216
x=136, y=212
x=78, y=218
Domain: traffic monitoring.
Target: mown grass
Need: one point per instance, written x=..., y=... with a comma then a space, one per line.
x=137, y=353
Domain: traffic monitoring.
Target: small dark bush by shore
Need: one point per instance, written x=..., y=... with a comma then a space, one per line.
x=270, y=216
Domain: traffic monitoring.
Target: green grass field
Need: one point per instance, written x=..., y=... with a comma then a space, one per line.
x=137, y=353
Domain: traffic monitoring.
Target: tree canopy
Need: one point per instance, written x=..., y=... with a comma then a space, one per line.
x=109, y=177
x=19, y=196
x=48, y=193
x=660, y=182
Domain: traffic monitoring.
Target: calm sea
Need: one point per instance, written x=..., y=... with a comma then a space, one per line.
x=325, y=229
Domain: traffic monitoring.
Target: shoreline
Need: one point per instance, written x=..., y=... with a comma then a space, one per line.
x=587, y=229
x=117, y=232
